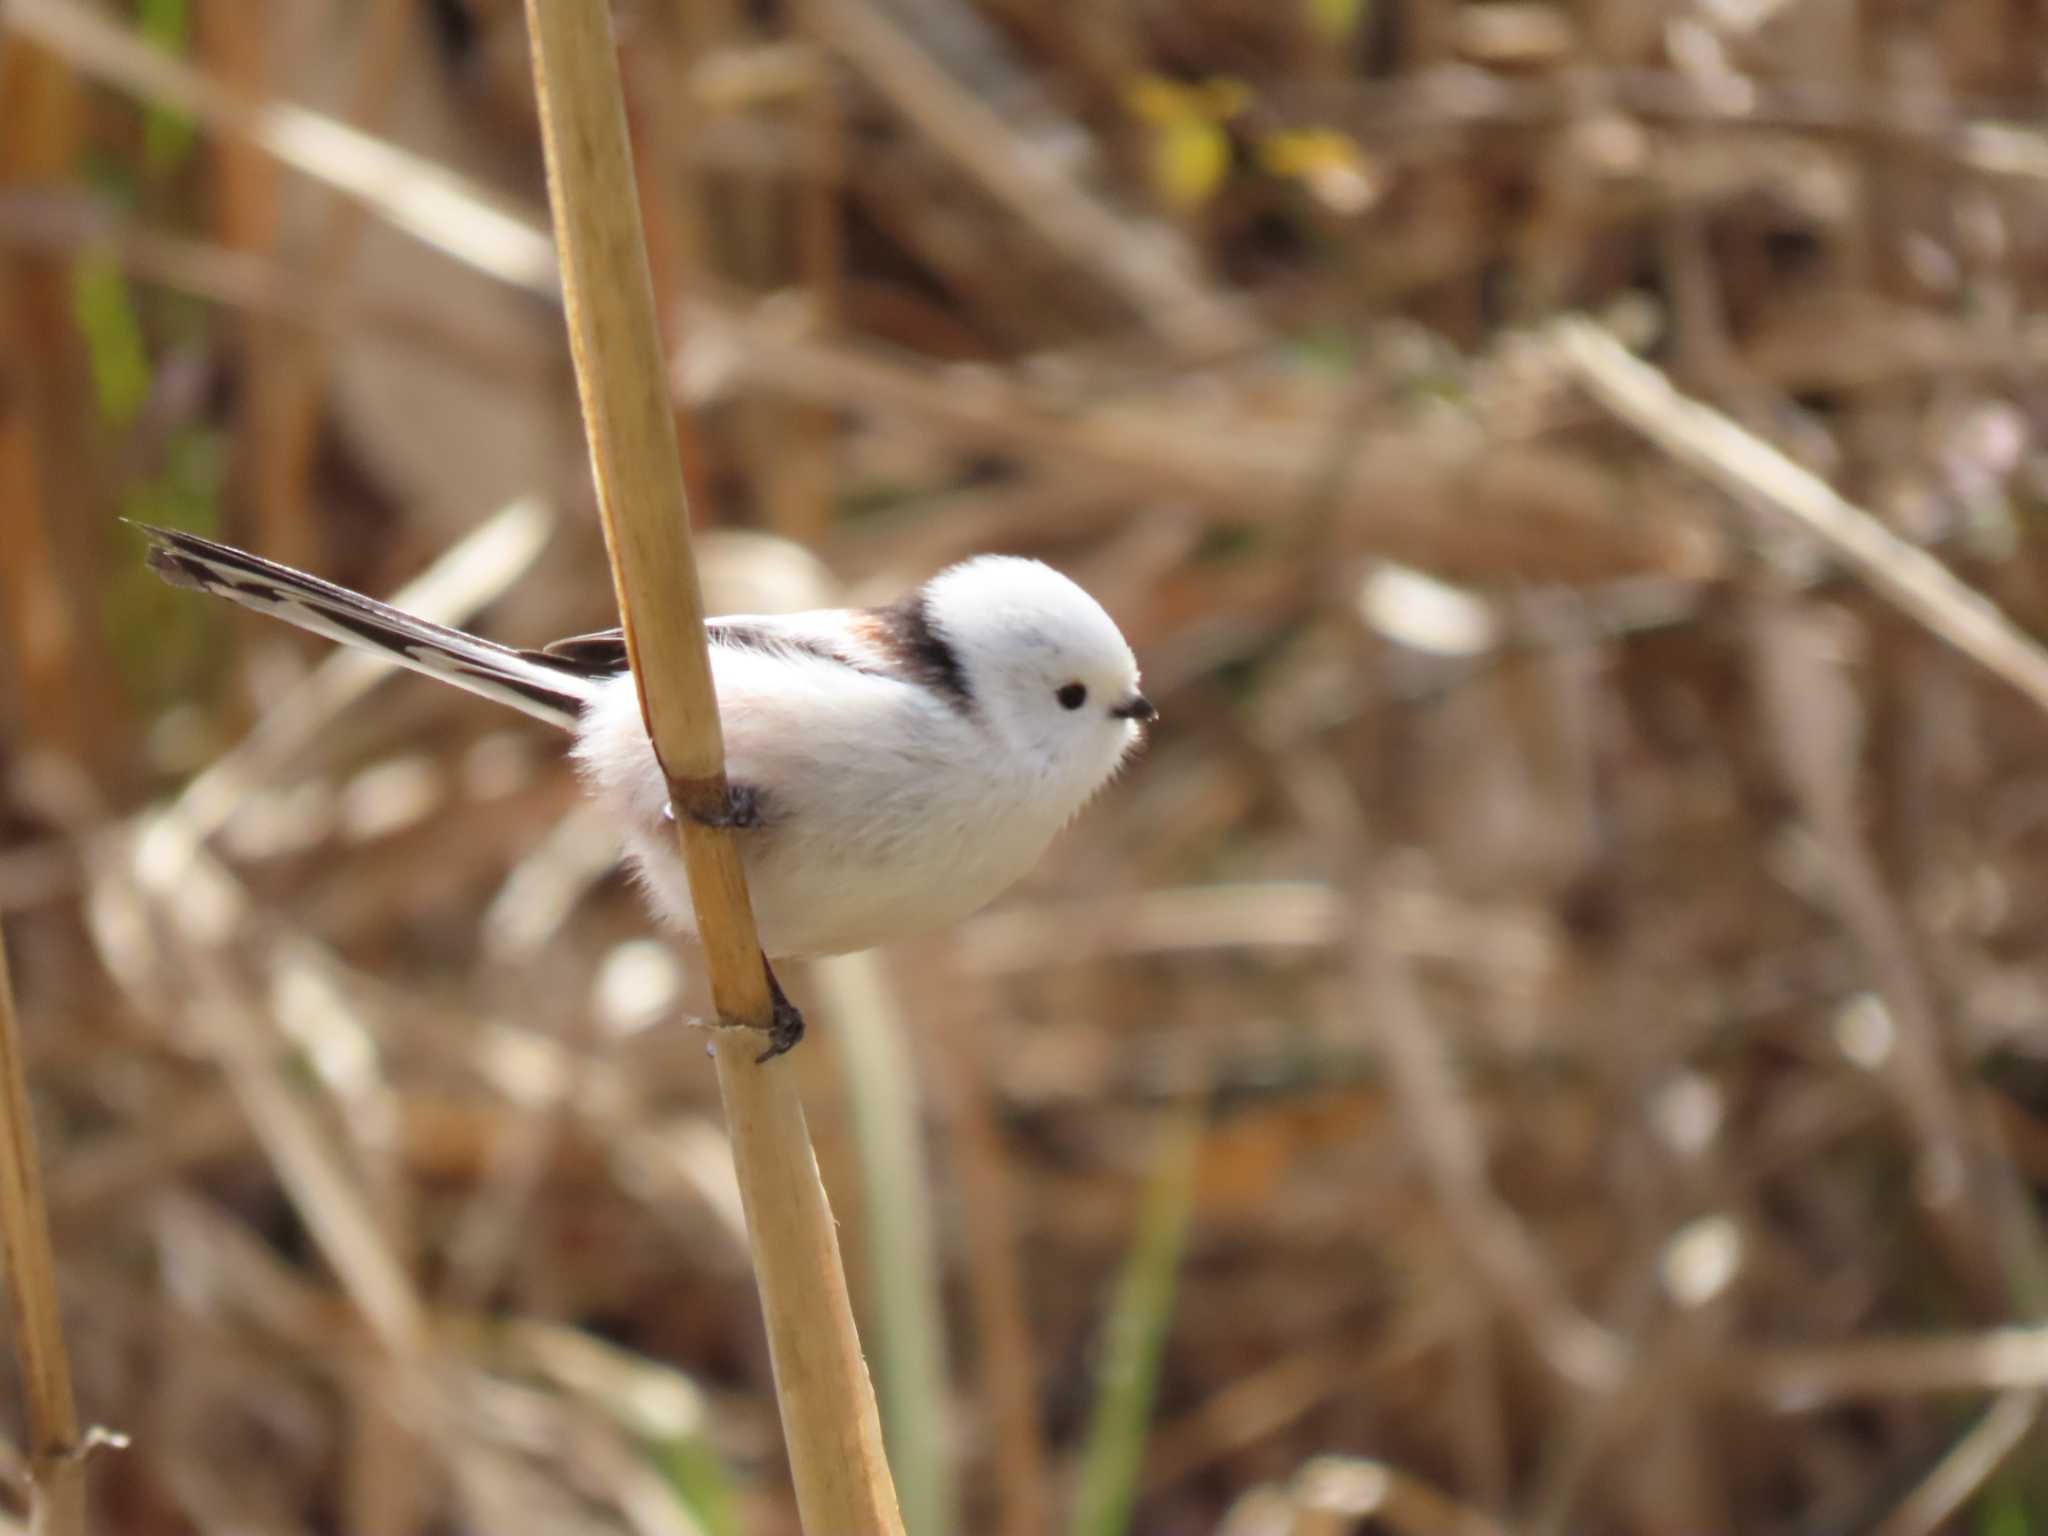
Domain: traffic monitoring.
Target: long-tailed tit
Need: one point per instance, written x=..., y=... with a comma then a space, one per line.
x=893, y=769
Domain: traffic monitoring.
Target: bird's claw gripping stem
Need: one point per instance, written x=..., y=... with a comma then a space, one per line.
x=742, y=810
x=785, y=1022
x=786, y=1029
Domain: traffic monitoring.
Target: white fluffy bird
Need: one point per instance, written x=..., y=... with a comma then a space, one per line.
x=893, y=769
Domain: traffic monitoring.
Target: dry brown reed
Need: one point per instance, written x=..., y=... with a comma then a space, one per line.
x=56, y=1454
x=830, y=1423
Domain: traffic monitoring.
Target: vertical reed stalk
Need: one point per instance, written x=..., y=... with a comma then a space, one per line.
x=827, y=1404
x=56, y=1467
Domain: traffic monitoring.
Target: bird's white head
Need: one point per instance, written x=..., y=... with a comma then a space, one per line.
x=1043, y=664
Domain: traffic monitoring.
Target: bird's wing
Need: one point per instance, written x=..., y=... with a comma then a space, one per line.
x=897, y=643
x=822, y=635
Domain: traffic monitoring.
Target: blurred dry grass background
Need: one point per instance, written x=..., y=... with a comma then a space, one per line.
x=1552, y=1036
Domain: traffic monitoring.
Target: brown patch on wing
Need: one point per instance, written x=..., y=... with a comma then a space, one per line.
x=913, y=648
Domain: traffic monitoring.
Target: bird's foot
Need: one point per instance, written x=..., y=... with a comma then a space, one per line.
x=785, y=1022
x=742, y=810
x=785, y=1029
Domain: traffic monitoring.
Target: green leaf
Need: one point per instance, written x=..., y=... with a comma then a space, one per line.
x=2001, y=1509
x=164, y=643
x=660, y=1407
x=1128, y=1380
x=700, y=1483
x=105, y=311
x=909, y=1321
x=167, y=135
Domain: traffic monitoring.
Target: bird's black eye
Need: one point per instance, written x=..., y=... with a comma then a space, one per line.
x=1073, y=696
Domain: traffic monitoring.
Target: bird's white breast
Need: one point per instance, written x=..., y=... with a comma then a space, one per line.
x=888, y=812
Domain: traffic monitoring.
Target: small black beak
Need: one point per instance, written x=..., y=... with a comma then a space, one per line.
x=1136, y=707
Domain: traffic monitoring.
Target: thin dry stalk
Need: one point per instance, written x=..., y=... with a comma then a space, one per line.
x=1333, y=1494
x=56, y=1462
x=1996, y=1360
x=663, y=112
x=1481, y=1406
x=487, y=1238
x=1503, y=1254
x=827, y=1403
x=1396, y=490
x=1577, y=1452
x=464, y=579
x=398, y=1388
x=173, y=867
x=1429, y=33
x=248, y=281
x=878, y=1065
x=53, y=497
x=235, y=44
x=1253, y=1407
x=449, y=212
x=383, y=1490
x=1965, y=1184
x=296, y=362
x=1957, y=1476
x=800, y=492
x=988, y=1202
x=38, y=624
x=1757, y=474
x=313, y=1170
x=1146, y=265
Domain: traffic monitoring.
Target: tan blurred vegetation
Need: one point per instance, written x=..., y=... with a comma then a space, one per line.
x=1551, y=1036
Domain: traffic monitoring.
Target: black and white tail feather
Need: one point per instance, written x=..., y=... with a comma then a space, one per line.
x=548, y=687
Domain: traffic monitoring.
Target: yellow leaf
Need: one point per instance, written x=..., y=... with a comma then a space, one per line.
x=1329, y=163
x=1156, y=99
x=1337, y=20
x=1189, y=161
x=1223, y=98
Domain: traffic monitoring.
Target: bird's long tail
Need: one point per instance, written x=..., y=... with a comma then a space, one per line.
x=540, y=686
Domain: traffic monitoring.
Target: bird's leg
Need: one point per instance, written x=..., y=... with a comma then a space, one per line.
x=742, y=811
x=787, y=1025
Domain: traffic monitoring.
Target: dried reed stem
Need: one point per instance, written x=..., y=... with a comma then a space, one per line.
x=1504, y=1256
x=1965, y=1183
x=1954, y=1480
x=449, y=212
x=827, y=1404
x=1146, y=265
x=56, y=1467
x=1753, y=471
x=901, y=1249
x=995, y=1281
x=2004, y=1359
x=293, y=360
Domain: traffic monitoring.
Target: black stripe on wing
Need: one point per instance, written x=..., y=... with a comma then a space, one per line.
x=604, y=652
x=900, y=642
x=918, y=651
